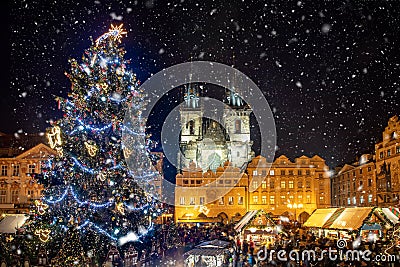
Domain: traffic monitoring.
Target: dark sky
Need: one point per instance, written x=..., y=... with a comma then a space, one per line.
x=329, y=69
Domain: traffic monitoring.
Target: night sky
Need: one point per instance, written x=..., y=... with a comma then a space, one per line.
x=329, y=69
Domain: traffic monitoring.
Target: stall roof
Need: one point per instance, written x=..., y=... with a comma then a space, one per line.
x=392, y=214
x=351, y=218
x=12, y=221
x=205, y=252
x=214, y=244
x=319, y=217
x=245, y=220
x=250, y=218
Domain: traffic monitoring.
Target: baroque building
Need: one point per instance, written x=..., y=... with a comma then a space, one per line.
x=205, y=141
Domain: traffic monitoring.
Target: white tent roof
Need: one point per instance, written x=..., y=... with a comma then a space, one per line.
x=12, y=221
x=244, y=221
x=390, y=215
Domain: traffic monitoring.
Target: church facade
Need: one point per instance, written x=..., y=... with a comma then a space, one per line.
x=209, y=142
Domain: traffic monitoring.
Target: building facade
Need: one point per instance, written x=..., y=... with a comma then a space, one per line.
x=211, y=140
x=294, y=189
x=17, y=184
x=354, y=185
x=387, y=154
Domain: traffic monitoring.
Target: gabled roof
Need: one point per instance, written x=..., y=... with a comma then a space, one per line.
x=346, y=168
x=317, y=158
x=40, y=149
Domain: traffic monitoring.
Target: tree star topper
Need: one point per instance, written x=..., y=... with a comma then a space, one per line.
x=116, y=32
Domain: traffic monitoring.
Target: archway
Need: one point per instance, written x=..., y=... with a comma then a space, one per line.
x=223, y=217
x=303, y=217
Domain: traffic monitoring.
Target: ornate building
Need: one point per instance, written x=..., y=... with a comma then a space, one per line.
x=354, y=185
x=17, y=184
x=206, y=142
x=294, y=189
x=387, y=154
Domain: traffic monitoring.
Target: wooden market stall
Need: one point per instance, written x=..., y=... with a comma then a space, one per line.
x=208, y=254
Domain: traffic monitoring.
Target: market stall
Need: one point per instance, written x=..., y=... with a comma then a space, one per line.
x=257, y=226
x=208, y=254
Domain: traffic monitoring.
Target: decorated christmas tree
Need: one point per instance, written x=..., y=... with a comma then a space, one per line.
x=90, y=192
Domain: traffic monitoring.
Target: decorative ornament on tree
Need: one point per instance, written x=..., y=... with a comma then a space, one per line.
x=9, y=238
x=41, y=207
x=120, y=208
x=91, y=149
x=54, y=137
x=43, y=234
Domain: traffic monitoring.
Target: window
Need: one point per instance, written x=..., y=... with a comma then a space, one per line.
x=254, y=172
x=255, y=199
x=299, y=172
x=299, y=184
x=221, y=201
x=14, y=196
x=191, y=181
x=31, y=168
x=291, y=197
x=264, y=199
x=321, y=200
x=4, y=169
x=290, y=172
x=238, y=126
x=369, y=182
x=240, y=200
x=283, y=200
x=283, y=184
x=291, y=184
x=237, y=154
x=300, y=198
x=348, y=201
x=397, y=149
x=381, y=155
x=192, y=201
x=230, y=200
x=308, y=199
x=263, y=184
x=354, y=201
x=361, y=184
x=30, y=193
x=182, y=201
x=369, y=169
x=191, y=127
x=185, y=181
x=272, y=200
x=283, y=172
x=202, y=200
x=360, y=171
x=272, y=172
x=228, y=181
x=361, y=199
x=255, y=184
x=263, y=172
x=272, y=185
x=389, y=152
x=198, y=181
x=16, y=170
x=308, y=172
x=3, y=196
x=369, y=198
x=308, y=184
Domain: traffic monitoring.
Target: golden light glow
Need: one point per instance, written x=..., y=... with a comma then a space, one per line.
x=92, y=149
x=120, y=208
x=54, y=137
x=9, y=238
x=115, y=32
x=127, y=152
x=41, y=207
x=43, y=234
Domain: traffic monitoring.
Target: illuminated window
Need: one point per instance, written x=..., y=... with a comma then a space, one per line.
x=369, y=198
x=202, y=200
x=283, y=184
x=354, y=201
x=272, y=185
x=369, y=169
x=361, y=199
x=300, y=198
x=389, y=152
x=291, y=197
x=16, y=170
x=255, y=184
x=230, y=200
x=4, y=169
x=192, y=201
x=291, y=184
x=272, y=200
x=255, y=199
x=31, y=168
x=182, y=200
x=14, y=196
x=308, y=199
x=381, y=155
x=221, y=201
x=254, y=172
x=264, y=199
x=369, y=182
x=240, y=200
x=283, y=200
x=299, y=184
x=397, y=149
x=3, y=196
x=264, y=184
x=308, y=184
x=321, y=200
x=272, y=172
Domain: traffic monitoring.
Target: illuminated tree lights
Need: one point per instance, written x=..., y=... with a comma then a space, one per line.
x=91, y=198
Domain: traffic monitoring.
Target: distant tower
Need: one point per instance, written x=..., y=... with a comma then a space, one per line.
x=237, y=123
x=191, y=124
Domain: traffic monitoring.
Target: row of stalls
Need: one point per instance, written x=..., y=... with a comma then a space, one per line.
x=371, y=223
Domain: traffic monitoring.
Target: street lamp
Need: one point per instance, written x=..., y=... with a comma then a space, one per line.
x=295, y=206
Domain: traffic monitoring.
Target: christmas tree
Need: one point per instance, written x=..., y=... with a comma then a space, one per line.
x=90, y=190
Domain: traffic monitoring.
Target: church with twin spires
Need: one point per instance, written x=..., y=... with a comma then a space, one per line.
x=209, y=142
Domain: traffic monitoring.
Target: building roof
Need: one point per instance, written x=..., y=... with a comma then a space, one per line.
x=320, y=217
x=11, y=222
x=254, y=217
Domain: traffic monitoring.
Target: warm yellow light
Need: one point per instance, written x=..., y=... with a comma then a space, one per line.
x=43, y=234
x=54, y=137
x=116, y=32
x=120, y=208
x=253, y=229
x=9, y=238
x=41, y=207
x=92, y=149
